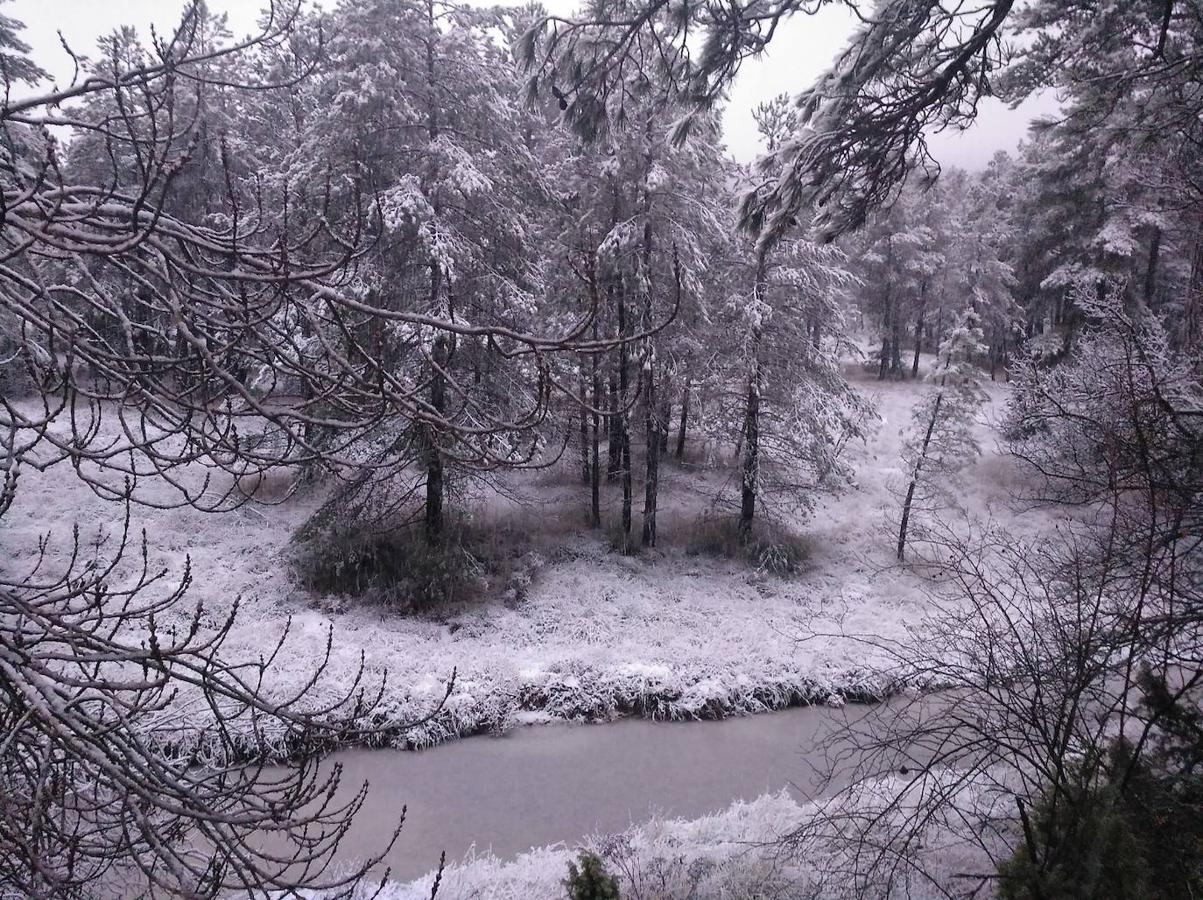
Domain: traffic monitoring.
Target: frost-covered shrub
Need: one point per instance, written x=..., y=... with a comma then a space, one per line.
x=400, y=568
x=590, y=881
x=771, y=548
x=522, y=576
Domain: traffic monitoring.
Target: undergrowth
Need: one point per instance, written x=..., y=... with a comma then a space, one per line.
x=771, y=547
x=405, y=571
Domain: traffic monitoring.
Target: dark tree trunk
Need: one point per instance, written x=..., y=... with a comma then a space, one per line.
x=595, y=463
x=627, y=491
x=584, y=430
x=614, y=432
x=434, y=457
x=886, y=332
x=595, y=414
x=918, y=346
x=1151, y=268
x=664, y=418
x=919, y=329
x=684, y=420
x=910, y=491
x=749, y=484
x=651, y=482
x=1194, y=290
x=651, y=479
x=624, y=432
x=441, y=351
x=751, y=461
x=896, y=348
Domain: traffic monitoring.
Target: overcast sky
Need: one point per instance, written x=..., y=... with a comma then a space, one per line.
x=802, y=49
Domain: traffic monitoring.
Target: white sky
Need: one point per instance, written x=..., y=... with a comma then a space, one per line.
x=802, y=49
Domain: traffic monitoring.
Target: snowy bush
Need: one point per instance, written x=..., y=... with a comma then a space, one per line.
x=771, y=548
x=399, y=568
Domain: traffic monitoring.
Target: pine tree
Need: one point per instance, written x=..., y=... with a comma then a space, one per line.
x=942, y=441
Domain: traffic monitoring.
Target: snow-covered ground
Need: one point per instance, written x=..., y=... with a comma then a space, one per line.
x=598, y=634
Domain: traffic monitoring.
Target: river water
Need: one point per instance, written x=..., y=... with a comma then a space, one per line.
x=546, y=784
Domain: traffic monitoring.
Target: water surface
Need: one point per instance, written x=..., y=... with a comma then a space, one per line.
x=559, y=783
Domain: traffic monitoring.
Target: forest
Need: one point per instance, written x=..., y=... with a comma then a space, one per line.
x=414, y=371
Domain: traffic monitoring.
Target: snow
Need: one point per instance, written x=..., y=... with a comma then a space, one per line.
x=597, y=635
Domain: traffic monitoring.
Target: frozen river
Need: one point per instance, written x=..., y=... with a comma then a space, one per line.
x=542, y=785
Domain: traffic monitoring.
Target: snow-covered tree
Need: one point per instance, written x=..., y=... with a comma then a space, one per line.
x=901, y=259
x=796, y=410
x=941, y=441
x=419, y=106
x=936, y=249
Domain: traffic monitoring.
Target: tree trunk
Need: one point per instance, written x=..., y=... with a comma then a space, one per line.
x=651, y=481
x=919, y=329
x=595, y=414
x=751, y=463
x=684, y=420
x=918, y=345
x=896, y=348
x=1194, y=290
x=624, y=432
x=584, y=430
x=910, y=491
x=1151, y=268
x=595, y=467
x=441, y=351
x=664, y=418
x=627, y=491
x=749, y=484
x=434, y=457
x=614, y=432
x=886, y=331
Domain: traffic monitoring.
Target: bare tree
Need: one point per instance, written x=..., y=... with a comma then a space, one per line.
x=134, y=757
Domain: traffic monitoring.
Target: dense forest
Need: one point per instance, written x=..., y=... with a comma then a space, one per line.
x=400, y=268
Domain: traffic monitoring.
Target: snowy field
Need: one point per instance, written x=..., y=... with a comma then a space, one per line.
x=597, y=635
